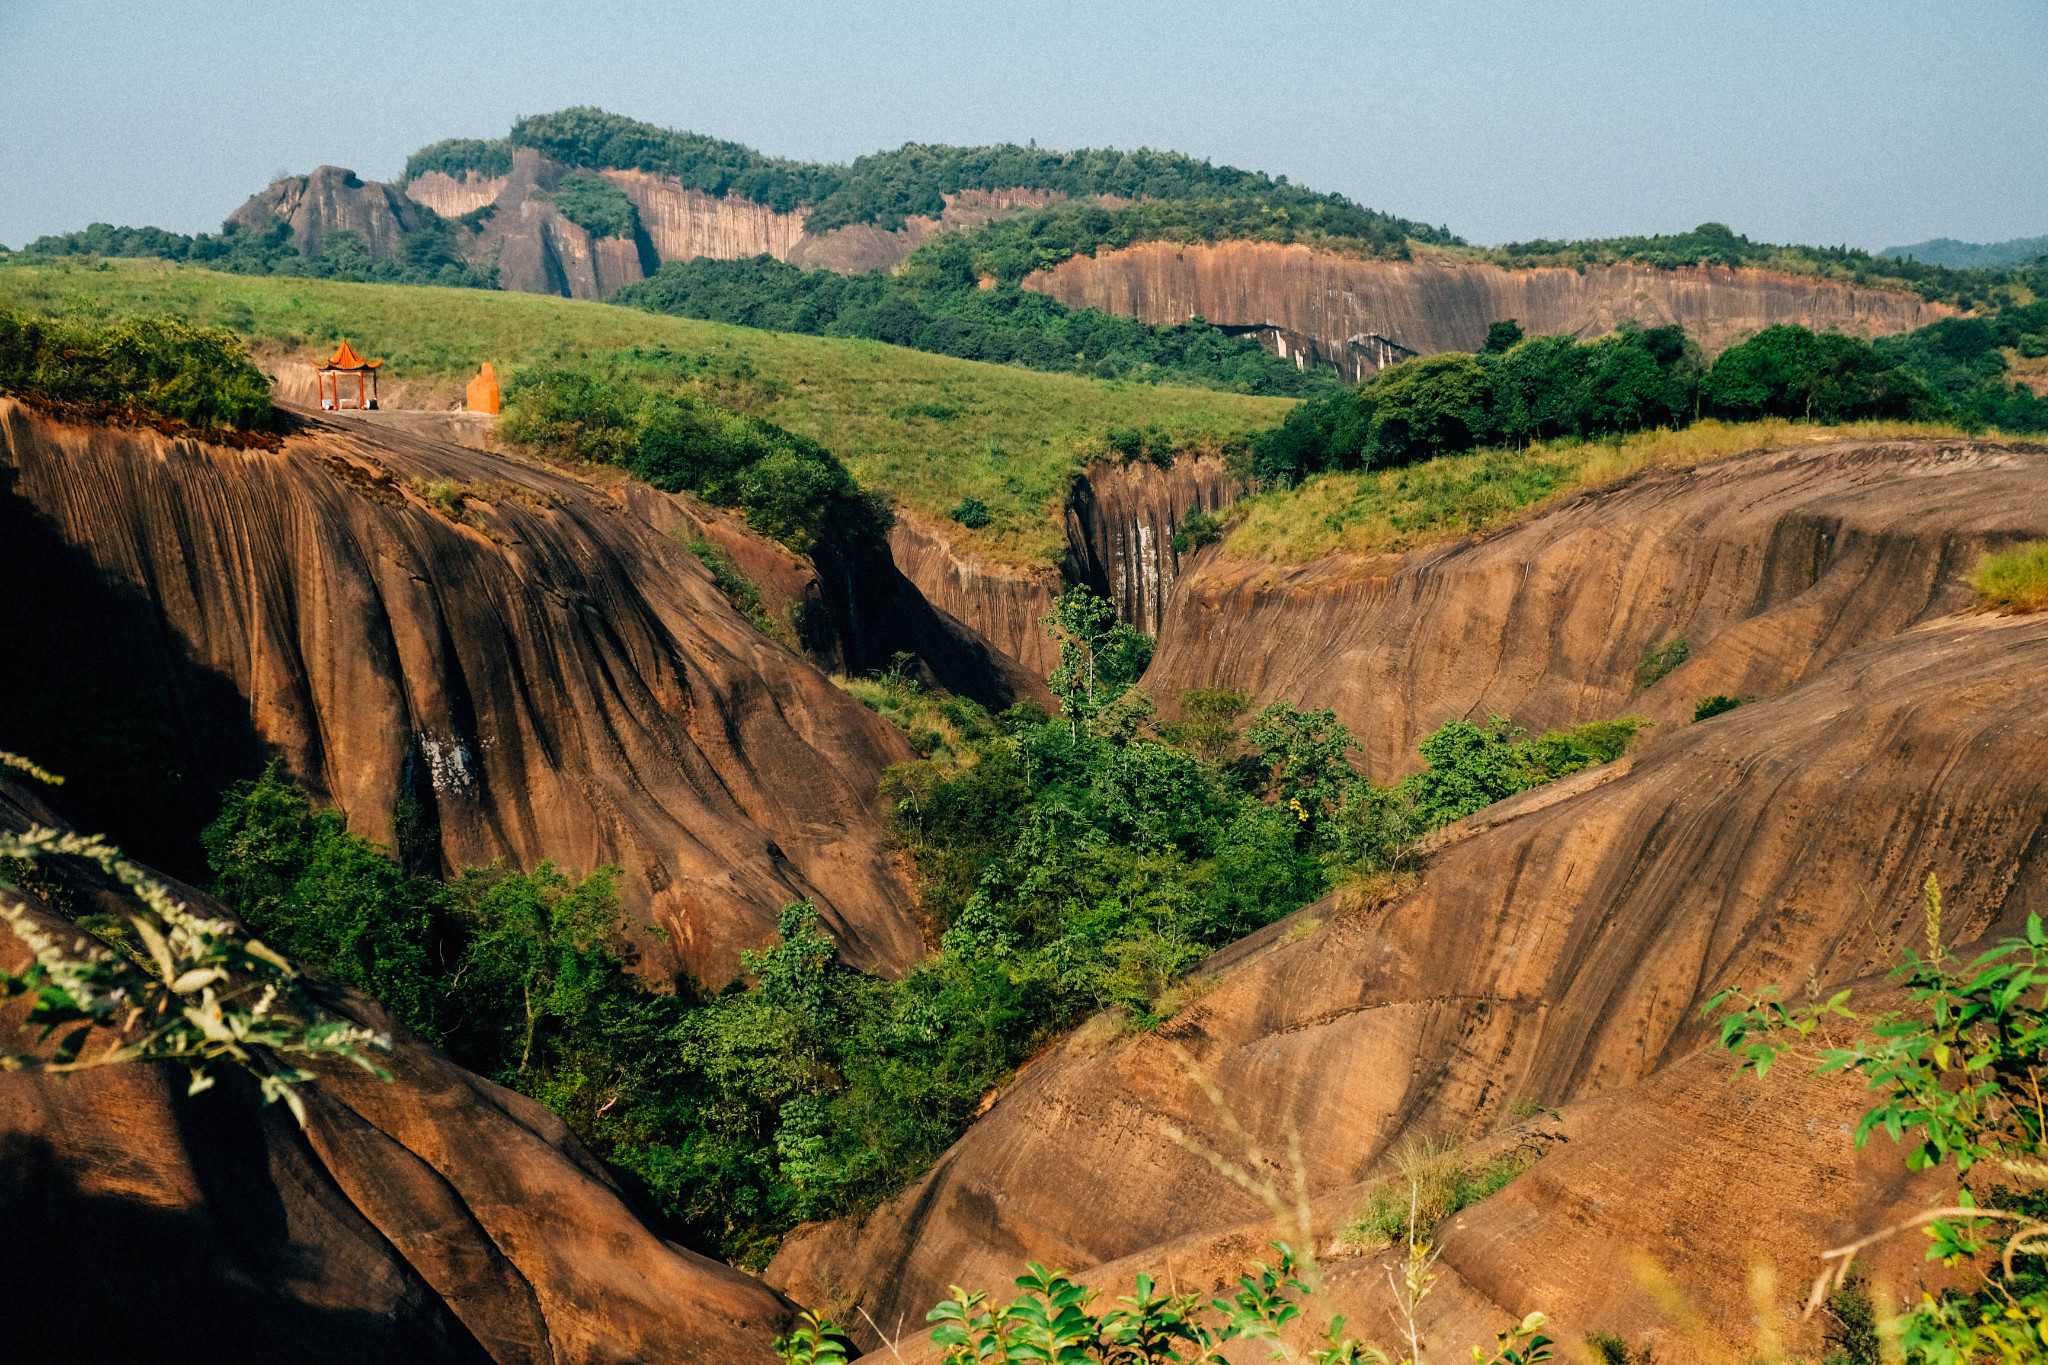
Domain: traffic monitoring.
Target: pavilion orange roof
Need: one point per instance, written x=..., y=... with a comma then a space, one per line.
x=345, y=358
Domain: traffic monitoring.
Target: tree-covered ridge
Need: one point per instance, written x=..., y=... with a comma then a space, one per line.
x=2007, y=255
x=434, y=255
x=1717, y=244
x=935, y=304
x=885, y=188
x=458, y=156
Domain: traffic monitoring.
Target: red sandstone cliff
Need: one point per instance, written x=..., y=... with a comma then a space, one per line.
x=1560, y=945
x=1332, y=307
x=547, y=673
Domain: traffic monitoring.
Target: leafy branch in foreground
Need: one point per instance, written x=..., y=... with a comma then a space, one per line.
x=167, y=985
x=1961, y=1068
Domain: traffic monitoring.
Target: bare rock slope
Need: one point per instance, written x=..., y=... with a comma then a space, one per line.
x=437, y=1217
x=541, y=671
x=1558, y=952
x=1767, y=566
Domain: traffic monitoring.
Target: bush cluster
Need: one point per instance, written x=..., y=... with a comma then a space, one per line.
x=1521, y=390
x=649, y=415
x=161, y=366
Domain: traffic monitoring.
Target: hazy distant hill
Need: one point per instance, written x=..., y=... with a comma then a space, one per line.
x=1973, y=255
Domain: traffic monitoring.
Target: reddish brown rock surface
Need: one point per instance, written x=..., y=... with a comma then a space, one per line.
x=437, y=1217
x=547, y=673
x=1333, y=305
x=1768, y=566
x=1558, y=952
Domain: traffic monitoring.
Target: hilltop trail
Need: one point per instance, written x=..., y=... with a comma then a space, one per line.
x=544, y=670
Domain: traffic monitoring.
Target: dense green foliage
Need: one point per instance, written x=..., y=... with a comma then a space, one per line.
x=935, y=305
x=1545, y=387
x=459, y=156
x=649, y=412
x=887, y=187
x=1078, y=863
x=160, y=366
x=1964, y=360
x=596, y=205
x=1957, y=1071
x=430, y=255
x=2006, y=255
x=1716, y=244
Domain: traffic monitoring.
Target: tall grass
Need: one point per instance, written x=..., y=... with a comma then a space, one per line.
x=1432, y=1179
x=2015, y=580
x=1389, y=510
x=927, y=430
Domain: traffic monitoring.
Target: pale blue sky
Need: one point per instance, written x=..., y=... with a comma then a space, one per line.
x=1873, y=123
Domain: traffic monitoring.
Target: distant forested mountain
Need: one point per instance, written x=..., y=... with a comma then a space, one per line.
x=1973, y=255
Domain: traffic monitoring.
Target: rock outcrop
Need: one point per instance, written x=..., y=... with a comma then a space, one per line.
x=334, y=200
x=545, y=673
x=1767, y=566
x=1003, y=603
x=1359, y=314
x=1558, y=950
x=432, y=1218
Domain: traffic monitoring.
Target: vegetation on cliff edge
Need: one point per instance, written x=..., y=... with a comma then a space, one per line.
x=160, y=366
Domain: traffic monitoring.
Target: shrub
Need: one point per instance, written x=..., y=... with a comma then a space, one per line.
x=971, y=513
x=1658, y=661
x=1432, y=1179
x=2014, y=580
x=161, y=366
x=1715, y=705
x=1196, y=529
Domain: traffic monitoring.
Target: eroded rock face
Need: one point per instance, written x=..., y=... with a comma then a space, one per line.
x=1558, y=949
x=1361, y=314
x=1120, y=524
x=1000, y=602
x=436, y=1217
x=1767, y=566
x=332, y=199
x=547, y=674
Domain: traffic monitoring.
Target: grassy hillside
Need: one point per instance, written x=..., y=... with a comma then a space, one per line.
x=928, y=430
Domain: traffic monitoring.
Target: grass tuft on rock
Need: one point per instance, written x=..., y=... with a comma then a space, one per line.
x=2014, y=580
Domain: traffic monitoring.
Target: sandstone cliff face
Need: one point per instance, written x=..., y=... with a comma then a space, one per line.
x=1768, y=566
x=1346, y=311
x=332, y=199
x=452, y=196
x=551, y=678
x=1000, y=602
x=1558, y=949
x=539, y=251
x=1120, y=521
x=437, y=1217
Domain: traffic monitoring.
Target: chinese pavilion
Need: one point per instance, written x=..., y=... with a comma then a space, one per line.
x=345, y=361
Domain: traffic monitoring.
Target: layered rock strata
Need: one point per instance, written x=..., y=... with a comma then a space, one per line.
x=1766, y=566
x=544, y=674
